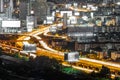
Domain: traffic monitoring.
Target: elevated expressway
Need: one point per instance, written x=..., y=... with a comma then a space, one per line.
x=47, y=51
x=85, y=64
x=91, y=63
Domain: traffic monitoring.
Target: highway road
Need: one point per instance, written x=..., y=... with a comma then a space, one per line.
x=52, y=51
x=35, y=35
x=45, y=30
x=46, y=47
x=109, y=64
x=37, y=32
x=101, y=62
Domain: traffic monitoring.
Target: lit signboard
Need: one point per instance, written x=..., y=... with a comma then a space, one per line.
x=69, y=13
x=71, y=56
x=53, y=29
x=44, y=22
x=76, y=13
x=73, y=20
x=51, y=18
x=11, y=23
x=29, y=48
x=49, y=22
x=75, y=4
x=53, y=13
x=68, y=5
x=59, y=26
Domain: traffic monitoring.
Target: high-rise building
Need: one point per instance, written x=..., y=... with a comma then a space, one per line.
x=1, y=5
x=9, y=9
x=40, y=8
x=8, y=24
x=23, y=9
x=64, y=20
x=11, y=5
x=30, y=23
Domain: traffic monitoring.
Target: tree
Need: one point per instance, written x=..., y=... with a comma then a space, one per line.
x=104, y=72
x=0, y=62
x=0, y=50
x=16, y=55
x=117, y=78
x=43, y=62
x=101, y=79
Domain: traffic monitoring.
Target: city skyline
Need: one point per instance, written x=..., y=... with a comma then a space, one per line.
x=41, y=38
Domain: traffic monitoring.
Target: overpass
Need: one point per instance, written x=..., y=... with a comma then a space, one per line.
x=87, y=63
x=90, y=63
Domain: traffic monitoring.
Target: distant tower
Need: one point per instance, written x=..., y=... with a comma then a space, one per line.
x=11, y=8
x=1, y=5
x=30, y=6
x=64, y=20
x=23, y=6
x=40, y=7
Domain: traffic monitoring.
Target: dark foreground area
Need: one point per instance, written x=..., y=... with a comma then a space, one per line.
x=41, y=68
x=44, y=68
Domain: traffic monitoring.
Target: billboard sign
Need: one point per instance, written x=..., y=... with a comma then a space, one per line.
x=53, y=29
x=29, y=48
x=50, y=18
x=71, y=56
x=73, y=20
x=11, y=23
x=69, y=13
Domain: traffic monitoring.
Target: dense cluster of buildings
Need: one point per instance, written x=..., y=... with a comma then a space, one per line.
x=22, y=15
x=97, y=28
x=89, y=25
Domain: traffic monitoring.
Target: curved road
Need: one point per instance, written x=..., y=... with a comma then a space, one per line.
x=52, y=51
x=45, y=30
